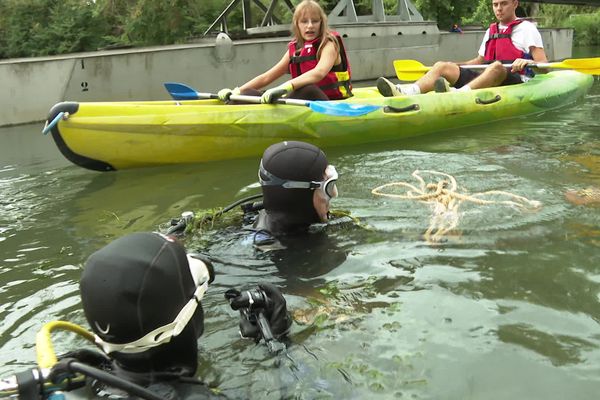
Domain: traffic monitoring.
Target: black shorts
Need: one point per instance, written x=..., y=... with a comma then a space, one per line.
x=467, y=75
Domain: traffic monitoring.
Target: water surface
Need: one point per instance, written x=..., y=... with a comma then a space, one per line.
x=505, y=306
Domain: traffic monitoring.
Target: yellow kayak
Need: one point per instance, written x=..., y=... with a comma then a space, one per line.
x=108, y=136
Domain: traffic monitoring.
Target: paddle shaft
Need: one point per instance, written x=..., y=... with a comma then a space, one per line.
x=559, y=65
x=412, y=70
x=484, y=66
x=254, y=99
x=586, y=65
x=180, y=91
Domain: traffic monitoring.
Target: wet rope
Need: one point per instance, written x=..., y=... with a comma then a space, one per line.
x=445, y=200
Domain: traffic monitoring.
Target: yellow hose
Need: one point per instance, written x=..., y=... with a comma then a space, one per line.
x=43, y=342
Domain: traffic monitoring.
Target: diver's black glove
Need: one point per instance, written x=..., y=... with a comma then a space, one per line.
x=277, y=314
x=266, y=299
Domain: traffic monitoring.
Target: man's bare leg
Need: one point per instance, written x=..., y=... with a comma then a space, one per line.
x=448, y=70
x=492, y=76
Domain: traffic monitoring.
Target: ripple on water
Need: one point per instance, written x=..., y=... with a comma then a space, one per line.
x=473, y=175
x=506, y=307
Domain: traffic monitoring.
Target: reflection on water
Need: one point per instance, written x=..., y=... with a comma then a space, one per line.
x=507, y=306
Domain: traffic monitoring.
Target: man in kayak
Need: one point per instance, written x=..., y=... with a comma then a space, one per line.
x=142, y=294
x=316, y=59
x=510, y=40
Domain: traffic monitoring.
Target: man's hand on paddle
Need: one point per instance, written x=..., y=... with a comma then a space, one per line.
x=519, y=64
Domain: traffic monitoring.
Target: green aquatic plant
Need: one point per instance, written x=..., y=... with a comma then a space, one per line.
x=399, y=373
x=208, y=224
x=341, y=214
x=110, y=215
x=343, y=219
x=343, y=304
x=331, y=290
x=214, y=218
x=209, y=219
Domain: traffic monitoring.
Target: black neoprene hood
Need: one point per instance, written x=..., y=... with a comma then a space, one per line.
x=134, y=285
x=297, y=161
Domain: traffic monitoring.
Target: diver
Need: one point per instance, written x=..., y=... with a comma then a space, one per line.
x=292, y=220
x=141, y=295
x=297, y=185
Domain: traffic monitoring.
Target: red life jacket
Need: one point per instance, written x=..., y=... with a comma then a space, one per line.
x=336, y=84
x=500, y=46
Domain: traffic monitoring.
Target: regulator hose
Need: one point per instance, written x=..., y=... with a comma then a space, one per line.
x=46, y=358
x=112, y=380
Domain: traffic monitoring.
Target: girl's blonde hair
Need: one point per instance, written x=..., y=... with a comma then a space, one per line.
x=325, y=35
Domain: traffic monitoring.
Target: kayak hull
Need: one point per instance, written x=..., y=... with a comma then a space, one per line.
x=120, y=135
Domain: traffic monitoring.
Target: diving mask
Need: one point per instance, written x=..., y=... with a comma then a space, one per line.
x=327, y=186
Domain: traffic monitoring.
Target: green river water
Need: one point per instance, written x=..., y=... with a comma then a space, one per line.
x=506, y=306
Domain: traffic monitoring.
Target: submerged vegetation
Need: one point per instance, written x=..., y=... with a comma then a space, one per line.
x=32, y=28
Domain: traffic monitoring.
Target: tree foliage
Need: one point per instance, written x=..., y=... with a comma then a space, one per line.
x=160, y=22
x=482, y=15
x=47, y=27
x=30, y=28
x=585, y=21
x=587, y=28
x=448, y=12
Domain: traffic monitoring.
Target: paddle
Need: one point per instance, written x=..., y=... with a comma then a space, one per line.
x=411, y=70
x=180, y=91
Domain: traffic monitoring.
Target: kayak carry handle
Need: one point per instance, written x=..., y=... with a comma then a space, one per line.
x=494, y=99
x=396, y=110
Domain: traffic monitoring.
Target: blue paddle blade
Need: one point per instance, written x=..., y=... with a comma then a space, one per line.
x=50, y=125
x=342, y=109
x=179, y=91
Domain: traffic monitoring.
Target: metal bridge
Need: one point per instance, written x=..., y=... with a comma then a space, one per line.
x=343, y=12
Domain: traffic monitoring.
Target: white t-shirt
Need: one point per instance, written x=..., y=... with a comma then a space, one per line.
x=523, y=37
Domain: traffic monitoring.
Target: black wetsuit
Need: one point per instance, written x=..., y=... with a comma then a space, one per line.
x=266, y=238
x=167, y=386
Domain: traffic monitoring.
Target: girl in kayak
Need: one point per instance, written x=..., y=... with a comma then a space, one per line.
x=316, y=59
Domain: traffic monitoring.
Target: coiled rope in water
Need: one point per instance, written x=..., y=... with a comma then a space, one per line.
x=445, y=200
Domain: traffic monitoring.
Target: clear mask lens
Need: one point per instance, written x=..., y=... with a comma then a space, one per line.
x=329, y=184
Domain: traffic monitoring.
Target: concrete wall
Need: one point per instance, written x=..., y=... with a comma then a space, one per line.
x=31, y=86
